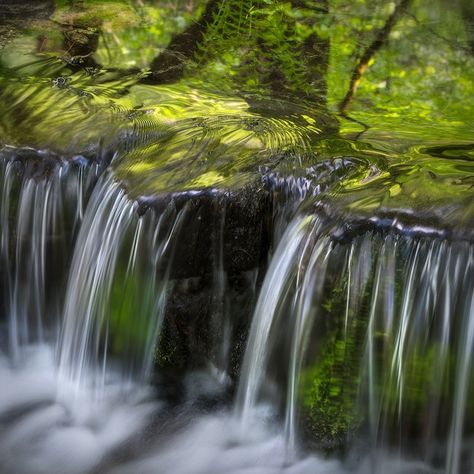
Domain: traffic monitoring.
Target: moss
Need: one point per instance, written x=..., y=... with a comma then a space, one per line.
x=330, y=386
x=330, y=396
x=414, y=400
x=167, y=352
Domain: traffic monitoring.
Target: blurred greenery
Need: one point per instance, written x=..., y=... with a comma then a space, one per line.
x=86, y=74
x=424, y=71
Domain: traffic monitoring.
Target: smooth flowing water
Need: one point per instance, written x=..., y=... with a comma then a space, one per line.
x=236, y=237
x=375, y=358
x=379, y=343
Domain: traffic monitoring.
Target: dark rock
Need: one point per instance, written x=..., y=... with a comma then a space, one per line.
x=231, y=226
x=194, y=320
x=23, y=10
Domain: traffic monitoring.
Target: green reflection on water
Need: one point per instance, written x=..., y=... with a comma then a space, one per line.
x=201, y=94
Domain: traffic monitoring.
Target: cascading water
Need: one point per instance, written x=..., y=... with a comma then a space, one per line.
x=41, y=207
x=102, y=322
x=236, y=237
x=117, y=253
x=375, y=360
x=389, y=318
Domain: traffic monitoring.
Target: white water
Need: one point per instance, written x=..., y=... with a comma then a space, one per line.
x=418, y=343
x=42, y=435
x=45, y=437
x=76, y=394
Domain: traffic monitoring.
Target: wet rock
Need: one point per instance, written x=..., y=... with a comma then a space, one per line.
x=230, y=229
x=219, y=259
x=31, y=163
x=23, y=10
x=426, y=196
x=200, y=329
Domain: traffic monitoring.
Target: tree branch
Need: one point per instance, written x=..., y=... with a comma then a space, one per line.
x=170, y=64
x=368, y=54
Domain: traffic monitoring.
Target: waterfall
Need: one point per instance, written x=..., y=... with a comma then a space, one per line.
x=40, y=208
x=374, y=333
x=361, y=336
x=84, y=269
x=117, y=288
x=283, y=277
x=236, y=237
x=87, y=276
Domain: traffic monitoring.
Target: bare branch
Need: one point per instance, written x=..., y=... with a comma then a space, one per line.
x=369, y=53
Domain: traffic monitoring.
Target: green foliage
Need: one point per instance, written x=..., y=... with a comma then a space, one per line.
x=136, y=44
x=330, y=384
x=416, y=90
x=269, y=56
x=418, y=85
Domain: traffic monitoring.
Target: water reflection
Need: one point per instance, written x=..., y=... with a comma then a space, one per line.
x=239, y=118
x=412, y=60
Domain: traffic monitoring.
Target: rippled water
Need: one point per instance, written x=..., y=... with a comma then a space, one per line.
x=236, y=236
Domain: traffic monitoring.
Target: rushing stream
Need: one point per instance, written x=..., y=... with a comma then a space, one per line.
x=236, y=236
x=381, y=329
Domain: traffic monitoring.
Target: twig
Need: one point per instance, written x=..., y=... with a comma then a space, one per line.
x=368, y=54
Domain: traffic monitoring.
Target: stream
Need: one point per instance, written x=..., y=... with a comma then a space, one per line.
x=212, y=260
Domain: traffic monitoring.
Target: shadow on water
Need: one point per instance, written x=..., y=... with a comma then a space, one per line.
x=236, y=236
